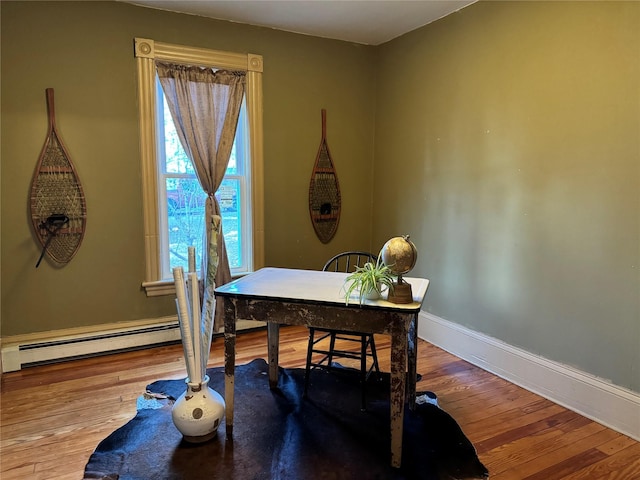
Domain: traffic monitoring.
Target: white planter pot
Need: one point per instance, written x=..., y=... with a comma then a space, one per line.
x=371, y=295
x=198, y=412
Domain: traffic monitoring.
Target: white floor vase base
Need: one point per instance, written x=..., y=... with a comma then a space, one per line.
x=198, y=412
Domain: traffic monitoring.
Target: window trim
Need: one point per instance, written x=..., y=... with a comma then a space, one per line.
x=147, y=51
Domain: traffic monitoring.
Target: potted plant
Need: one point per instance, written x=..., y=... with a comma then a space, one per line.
x=369, y=281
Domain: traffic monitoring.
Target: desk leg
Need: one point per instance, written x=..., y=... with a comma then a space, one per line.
x=229, y=361
x=398, y=385
x=412, y=343
x=273, y=339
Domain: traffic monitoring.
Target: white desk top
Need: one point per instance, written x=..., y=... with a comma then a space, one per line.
x=311, y=286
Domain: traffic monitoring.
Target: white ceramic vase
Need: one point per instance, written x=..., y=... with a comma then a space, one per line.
x=198, y=412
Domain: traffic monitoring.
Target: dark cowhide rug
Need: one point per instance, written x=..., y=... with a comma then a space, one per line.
x=279, y=435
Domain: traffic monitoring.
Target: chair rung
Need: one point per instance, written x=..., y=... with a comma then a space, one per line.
x=316, y=340
x=342, y=353
x=327, y=367
x=350, y=339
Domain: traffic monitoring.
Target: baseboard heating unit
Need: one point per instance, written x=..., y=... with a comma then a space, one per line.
x=24, y=351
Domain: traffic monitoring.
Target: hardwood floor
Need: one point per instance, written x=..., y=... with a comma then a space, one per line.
x=52, y=417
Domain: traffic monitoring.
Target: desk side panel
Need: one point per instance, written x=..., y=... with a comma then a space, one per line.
x=321, y=316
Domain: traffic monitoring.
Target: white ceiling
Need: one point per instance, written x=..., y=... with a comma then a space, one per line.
x=369, y=22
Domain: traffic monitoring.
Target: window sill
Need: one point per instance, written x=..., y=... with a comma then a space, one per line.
x=161, y=288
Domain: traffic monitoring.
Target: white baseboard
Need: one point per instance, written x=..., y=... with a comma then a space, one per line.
x=33, y=349
x=613, y=406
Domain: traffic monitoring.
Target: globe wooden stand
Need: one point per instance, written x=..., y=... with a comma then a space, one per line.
x=401, y=292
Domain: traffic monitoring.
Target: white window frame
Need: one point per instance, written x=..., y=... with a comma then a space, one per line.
x=147, y=51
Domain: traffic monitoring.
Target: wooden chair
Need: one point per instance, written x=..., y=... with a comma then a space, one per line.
x=343, y=262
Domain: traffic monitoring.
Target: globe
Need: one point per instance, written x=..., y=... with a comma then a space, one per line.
x=400, y=255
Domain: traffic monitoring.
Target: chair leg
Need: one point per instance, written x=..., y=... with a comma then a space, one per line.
x=374, y=354
x=332, y=346
x=363, y=372
x=308, y=367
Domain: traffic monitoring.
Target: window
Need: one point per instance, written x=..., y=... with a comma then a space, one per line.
x=172, y=197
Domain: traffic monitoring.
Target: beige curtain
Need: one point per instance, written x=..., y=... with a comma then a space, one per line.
x=205, y=105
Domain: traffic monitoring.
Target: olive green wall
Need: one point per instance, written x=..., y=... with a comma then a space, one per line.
x=84, y=50
x=508, y=146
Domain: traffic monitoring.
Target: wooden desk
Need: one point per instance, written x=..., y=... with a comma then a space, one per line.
x=315, y=298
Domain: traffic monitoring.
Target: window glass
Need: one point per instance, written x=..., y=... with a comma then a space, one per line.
x=182, y=200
